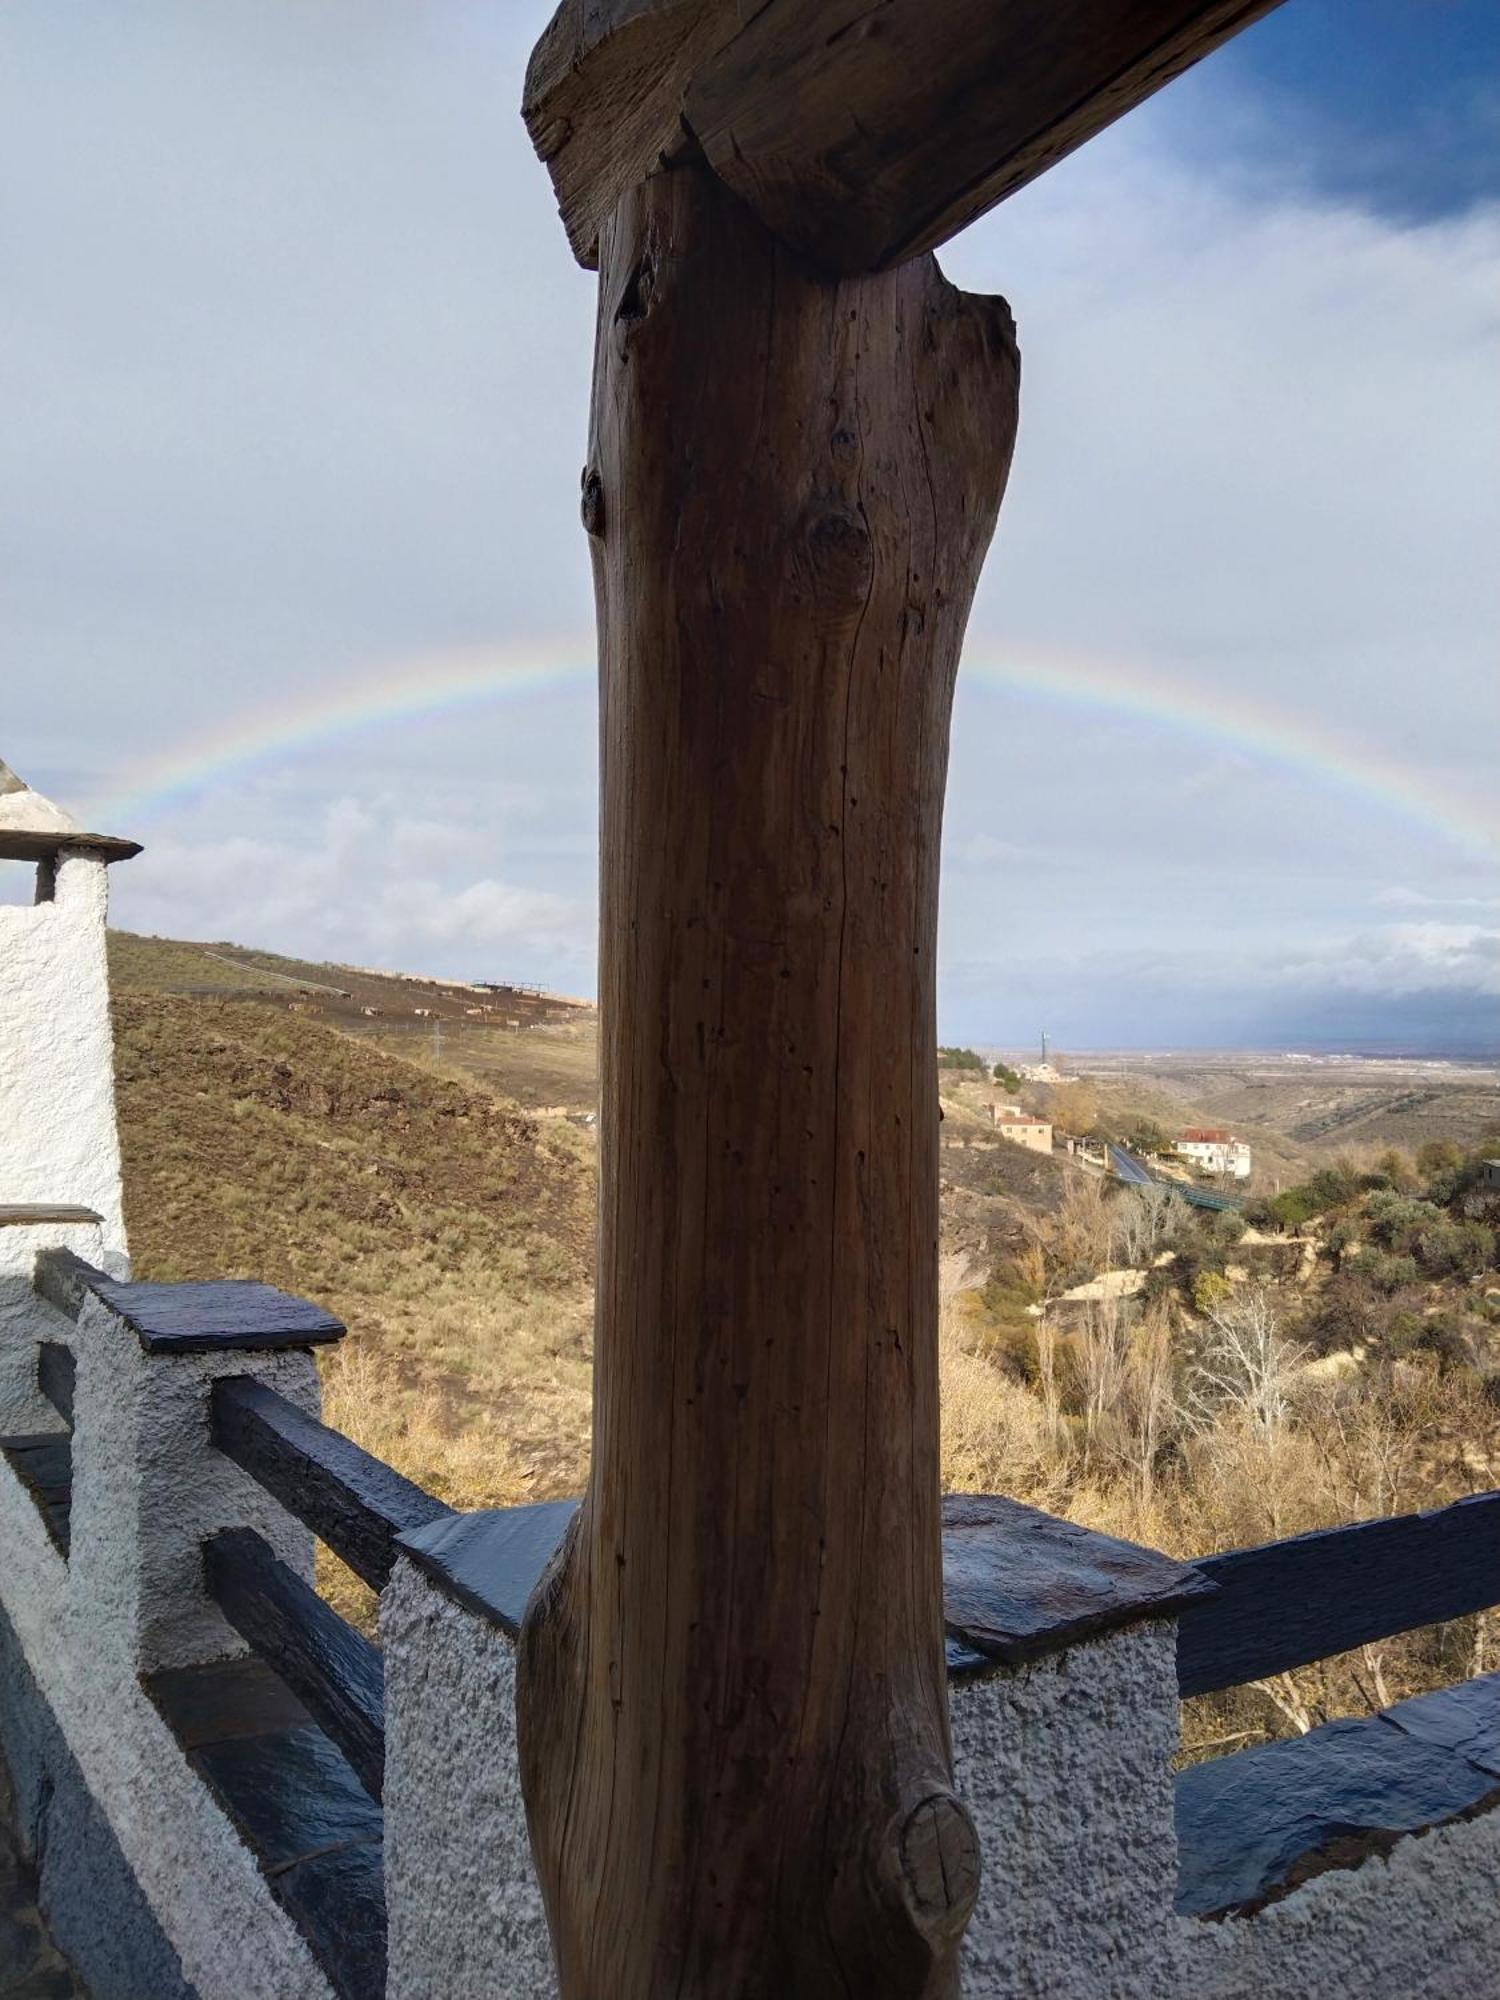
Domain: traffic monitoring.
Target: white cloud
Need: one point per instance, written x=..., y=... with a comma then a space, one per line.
x=322, y=401
x=367, y=889
x=1401, y=897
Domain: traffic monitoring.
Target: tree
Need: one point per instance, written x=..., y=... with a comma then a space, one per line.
x=1075, y=1107
x=1211, y=1291
x=1144, y=1135
x=731, y=1710
x=964, y=1059
x=1006, y=1077
x=1142, y=1219
x=1438, y=1157
x=1245, y=1367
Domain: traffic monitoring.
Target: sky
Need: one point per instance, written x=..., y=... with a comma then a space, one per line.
x=293, y=587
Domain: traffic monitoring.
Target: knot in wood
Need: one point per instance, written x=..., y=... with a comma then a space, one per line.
x=640, y=289
x=841, y=557
x=591, y=502
x=937, y=1850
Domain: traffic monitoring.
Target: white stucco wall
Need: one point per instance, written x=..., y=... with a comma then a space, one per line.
x=1066, y=1768
x=146, y=1486
x=1419, y=1925
x=23, y=1409
x=148, y=1490
x=58, y=1141
x=463, y=1905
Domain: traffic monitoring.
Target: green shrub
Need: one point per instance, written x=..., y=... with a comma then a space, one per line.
x=1210, y=1289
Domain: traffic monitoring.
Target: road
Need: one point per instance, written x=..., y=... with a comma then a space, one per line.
x=1128, y=1168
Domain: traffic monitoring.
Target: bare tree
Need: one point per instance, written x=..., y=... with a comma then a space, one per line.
x=1082, y=1230
x=1150, y=1401
x=1046, y=1368
x=1246, y=1367
x=1141, y=1218
x=1103, y=1349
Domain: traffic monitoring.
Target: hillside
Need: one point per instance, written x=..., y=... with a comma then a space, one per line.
x=366, y=1139
x=452, y=1230
x=536, y=1050
x=1299, y=1112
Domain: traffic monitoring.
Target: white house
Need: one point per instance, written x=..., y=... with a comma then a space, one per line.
x=1215, y=1150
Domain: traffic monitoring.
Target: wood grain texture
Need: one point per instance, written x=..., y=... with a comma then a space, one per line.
x=867, y=131
x=1288, y=1603
x=731, y=1682
x=862, y=131
x=332, y=1670
x=355, y=1503
x=603, y=98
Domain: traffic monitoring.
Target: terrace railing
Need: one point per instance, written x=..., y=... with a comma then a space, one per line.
x=295, y=1810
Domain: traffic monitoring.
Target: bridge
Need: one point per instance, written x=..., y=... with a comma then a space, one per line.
x=1127, y=1167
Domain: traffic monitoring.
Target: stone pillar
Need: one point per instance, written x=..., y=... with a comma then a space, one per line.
x=1066, y=1766
x=161, y=1894
x=464, y=1907
x=1062, y=1655
x=148, y=1487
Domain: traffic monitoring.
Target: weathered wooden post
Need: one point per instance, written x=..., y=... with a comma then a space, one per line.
x=733, y=1716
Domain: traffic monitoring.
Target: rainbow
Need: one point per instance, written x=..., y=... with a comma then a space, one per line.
x=477, y=677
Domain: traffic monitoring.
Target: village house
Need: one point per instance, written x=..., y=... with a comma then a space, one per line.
x=1215, y=1150
x=1023, y=1129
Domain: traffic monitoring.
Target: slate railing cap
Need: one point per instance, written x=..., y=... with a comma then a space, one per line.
x=217, y=1316
x=490, y=1561
x=1017, y=1583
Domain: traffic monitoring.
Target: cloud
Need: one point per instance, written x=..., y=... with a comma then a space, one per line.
x=1407, y=984
x=1402, y=897
x=365, y=889
x=321, y=401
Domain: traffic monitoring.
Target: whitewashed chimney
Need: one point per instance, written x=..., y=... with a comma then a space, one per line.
x=59, y=1144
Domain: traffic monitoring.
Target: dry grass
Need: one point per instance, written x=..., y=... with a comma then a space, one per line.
x=451, y=1233
x=1155, y=1469
x=454, y=1234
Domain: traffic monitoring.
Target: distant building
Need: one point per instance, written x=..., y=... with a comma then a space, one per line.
x=1046, y=1071
x=1024, y=1130
x=1490, y=1174
x=1215, y=1150
x=999, y=1111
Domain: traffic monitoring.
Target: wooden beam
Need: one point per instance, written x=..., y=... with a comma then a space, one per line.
x=732, y=1701
x=355, y=1503
x=333, y=1670
x=861, y=131
x=1286, y=1604
x=603, y=98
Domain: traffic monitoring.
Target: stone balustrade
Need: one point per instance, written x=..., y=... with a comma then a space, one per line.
x=229, y=1794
